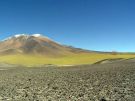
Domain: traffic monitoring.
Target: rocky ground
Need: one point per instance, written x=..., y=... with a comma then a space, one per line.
x=100, y=82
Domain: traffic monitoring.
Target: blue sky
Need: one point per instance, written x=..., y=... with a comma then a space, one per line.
x=104, y=25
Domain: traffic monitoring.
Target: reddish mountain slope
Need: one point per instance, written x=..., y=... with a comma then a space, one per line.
x=35, y=44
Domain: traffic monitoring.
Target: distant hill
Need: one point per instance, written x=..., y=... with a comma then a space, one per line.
x=38, y=50
x=35, y=44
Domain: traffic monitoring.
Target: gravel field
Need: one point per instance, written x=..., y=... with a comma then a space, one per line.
x=99, y=82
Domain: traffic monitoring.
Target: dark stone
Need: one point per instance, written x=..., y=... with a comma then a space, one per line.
x=103, y=99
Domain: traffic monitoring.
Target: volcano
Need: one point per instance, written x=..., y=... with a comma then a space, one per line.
x=35, y=44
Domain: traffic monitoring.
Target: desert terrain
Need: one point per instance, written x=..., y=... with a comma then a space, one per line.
x=109, y=81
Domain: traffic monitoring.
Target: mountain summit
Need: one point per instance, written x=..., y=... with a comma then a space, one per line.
x=34, y=44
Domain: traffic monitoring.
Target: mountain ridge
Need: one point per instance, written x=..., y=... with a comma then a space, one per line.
x=35, y=44
x=32, y=50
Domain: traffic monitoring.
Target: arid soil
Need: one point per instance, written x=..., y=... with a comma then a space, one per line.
x=100, y=82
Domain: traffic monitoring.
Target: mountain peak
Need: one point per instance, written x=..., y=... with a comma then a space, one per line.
x=34, y=44
x=36, y=35
x=18, y=35
x=27, y=35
